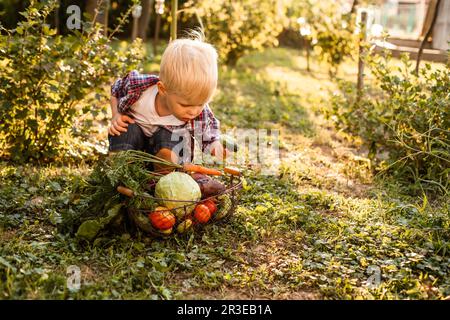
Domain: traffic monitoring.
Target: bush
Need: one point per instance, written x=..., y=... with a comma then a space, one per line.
x=406, y=117
x=332, y=33
x=46, y=81
x=237, y=27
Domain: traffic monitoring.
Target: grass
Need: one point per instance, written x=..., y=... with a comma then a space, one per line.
x=323, y=228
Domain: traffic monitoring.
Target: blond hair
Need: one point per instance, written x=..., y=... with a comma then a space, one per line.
x=189, y=68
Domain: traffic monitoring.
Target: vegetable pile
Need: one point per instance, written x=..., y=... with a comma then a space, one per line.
x=124, y=194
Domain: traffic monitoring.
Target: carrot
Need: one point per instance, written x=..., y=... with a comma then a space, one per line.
x=232, y=170
x=189, y=167
x=125, y=191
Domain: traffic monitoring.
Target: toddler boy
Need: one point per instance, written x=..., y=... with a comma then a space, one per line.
x=163, y=115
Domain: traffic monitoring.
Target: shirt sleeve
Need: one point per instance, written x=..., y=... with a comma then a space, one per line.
x=211, y=128
x=129, y=88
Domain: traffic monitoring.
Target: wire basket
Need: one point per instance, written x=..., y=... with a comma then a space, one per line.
x=225, y=201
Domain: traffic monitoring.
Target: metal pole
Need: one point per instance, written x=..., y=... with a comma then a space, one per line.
x=136, y=13
x=362, y=38
x=307, y=54
x=135, y=29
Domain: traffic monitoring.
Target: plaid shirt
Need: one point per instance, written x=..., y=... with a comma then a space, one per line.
x=129, y=89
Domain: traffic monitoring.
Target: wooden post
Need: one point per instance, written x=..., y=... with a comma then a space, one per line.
x=173, y=25
x=362, y=38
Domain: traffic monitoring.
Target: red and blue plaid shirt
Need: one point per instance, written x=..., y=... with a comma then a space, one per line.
x=129, y=89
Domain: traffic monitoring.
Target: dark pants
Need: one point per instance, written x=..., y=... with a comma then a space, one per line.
x=134, y=139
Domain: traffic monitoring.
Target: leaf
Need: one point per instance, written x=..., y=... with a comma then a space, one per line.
x=165, y=293
x=55, y=186
x=424, y=204
x=89, y=229
x=5, y=263
x=112, y=213
x=55, y=218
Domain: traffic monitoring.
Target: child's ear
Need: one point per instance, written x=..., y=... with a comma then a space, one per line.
x=161, y=88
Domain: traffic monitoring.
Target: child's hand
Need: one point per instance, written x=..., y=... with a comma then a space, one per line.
x=119, y=124
x=217, y=150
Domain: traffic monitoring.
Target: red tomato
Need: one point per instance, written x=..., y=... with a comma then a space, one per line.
x=201, y=213
x=211, y=206
x=162, y=220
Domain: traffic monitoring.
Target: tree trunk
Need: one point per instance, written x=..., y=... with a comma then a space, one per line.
x=147, y=9
x=354, y=4
x=56, y=17
x=156, y=39
x=429, y=32
x=91, y=5
x=102, y=17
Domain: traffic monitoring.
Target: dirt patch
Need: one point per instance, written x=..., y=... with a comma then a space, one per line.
x=230, y=293
x=273, y=255
x=6, y=235
x=328, y=162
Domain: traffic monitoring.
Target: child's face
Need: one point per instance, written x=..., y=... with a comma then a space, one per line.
x=180, y=107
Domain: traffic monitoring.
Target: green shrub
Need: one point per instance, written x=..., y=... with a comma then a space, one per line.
x=405, y=117
x=237, y=27
x=332, y=32
x=46, y=81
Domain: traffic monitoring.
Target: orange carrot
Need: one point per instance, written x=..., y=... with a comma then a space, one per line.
x=125, y=191
x=232, y=170
x=189, y=167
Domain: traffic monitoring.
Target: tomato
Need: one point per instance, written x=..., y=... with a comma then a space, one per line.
x=211, y=206
x=202, y=213
x=162, y=218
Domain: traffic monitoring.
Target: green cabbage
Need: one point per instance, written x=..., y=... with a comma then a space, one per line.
x=178, y=186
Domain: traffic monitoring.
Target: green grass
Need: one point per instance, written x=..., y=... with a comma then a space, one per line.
x=319, y=229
